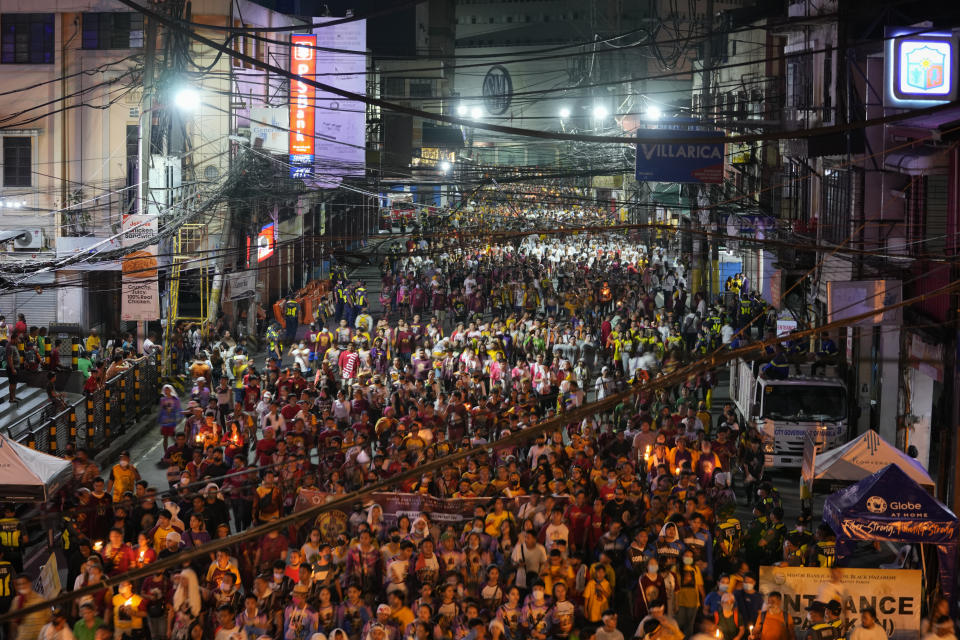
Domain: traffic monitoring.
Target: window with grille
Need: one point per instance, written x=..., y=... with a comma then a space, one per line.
x=17, y=161
x=114, y=30
x=421, y=88
x=26, y=38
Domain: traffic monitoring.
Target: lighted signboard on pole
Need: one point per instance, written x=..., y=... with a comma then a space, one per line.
x=921, y=68
x=303, y=63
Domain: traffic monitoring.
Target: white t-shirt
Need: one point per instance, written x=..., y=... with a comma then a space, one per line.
x=876, y=632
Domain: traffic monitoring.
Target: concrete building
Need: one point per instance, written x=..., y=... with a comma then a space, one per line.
x=73, y=88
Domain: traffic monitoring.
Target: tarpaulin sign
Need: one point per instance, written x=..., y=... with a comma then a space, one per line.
x=896, y=594
x=442, y=510
x=266, y=241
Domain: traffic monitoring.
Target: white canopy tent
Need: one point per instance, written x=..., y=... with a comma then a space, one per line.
x=863, y=456
x=27, y=475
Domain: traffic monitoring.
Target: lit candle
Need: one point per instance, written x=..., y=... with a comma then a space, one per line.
x=678, y=470
x=141, y=556
x=98, y=545
x=199, y=437
x=128, y=602
x=718, y=634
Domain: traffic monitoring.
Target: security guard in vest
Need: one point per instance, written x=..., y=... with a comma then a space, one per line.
x=12, y=537
x=291, y=317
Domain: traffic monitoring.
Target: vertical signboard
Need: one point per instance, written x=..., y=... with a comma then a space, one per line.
x=303, y=63
x=341, y=124
x=140, y=292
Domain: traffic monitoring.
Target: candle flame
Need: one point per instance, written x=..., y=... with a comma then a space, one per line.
x=98, y=545
x=128, y=602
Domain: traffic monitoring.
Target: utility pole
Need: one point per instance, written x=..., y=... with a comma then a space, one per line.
x=702, y=248
x=146, y=120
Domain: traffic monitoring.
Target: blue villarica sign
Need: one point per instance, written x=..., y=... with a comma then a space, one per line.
x=698, y=162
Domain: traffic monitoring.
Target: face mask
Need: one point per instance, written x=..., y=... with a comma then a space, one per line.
x=722, y=587
x=800, y=528
x=124, y=463
x=748, y=587
x=652, y=568
x=537, y=594
x=688, y=561
x=278, y=577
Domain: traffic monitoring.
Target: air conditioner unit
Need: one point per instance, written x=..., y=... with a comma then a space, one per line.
x=31, y=239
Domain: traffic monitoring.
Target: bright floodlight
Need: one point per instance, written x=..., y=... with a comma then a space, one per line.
x=462, y=110
x=599, y=112
x=444, y=166
x=476, y=113
x=564, y=113
x=186, y=99
x=654, y=112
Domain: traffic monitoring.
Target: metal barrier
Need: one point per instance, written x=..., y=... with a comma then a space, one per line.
x=96, y=418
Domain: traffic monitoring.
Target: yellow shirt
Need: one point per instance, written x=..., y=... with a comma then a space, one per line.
x=403, y=616
x=596, y=599
x=92, y=343
x=126, y=624
x=491, y=525
x=124, y=479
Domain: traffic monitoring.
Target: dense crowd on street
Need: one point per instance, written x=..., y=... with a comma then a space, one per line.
x=619, y=524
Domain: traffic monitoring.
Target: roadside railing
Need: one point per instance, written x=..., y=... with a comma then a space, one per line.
x=97, y=417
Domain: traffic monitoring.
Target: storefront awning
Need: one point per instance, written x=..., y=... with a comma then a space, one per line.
x=918, y=161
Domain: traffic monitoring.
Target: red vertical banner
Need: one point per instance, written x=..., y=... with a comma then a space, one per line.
x=303, y=63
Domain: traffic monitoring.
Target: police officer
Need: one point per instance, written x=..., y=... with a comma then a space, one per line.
x=12, y=537
x=754, y=552
x=359, y=298
x=816, y=626
x=746, y=310
x=6, y=582
x=801, y=533
x=834, y=609
x=273, y=341
x=771, y=540
x=291, y=317
x=779, y=366
x=823, y=553
x=340, y=298
x=826, y=353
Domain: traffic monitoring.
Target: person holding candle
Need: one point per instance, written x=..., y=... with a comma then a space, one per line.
x=129, y=613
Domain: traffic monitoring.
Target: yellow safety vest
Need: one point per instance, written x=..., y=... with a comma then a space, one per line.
x=10, y=533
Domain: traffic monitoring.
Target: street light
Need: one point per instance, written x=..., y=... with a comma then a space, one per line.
x=599, y=112
x=462, y=110
x=653, y=112
x=476, y=113
x=564, y=113
x=444, y=166
x=186, y=99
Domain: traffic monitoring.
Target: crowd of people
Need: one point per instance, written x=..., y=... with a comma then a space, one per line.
x=620, y=524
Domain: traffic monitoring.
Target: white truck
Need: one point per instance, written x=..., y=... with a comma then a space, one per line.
x=785, y=411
